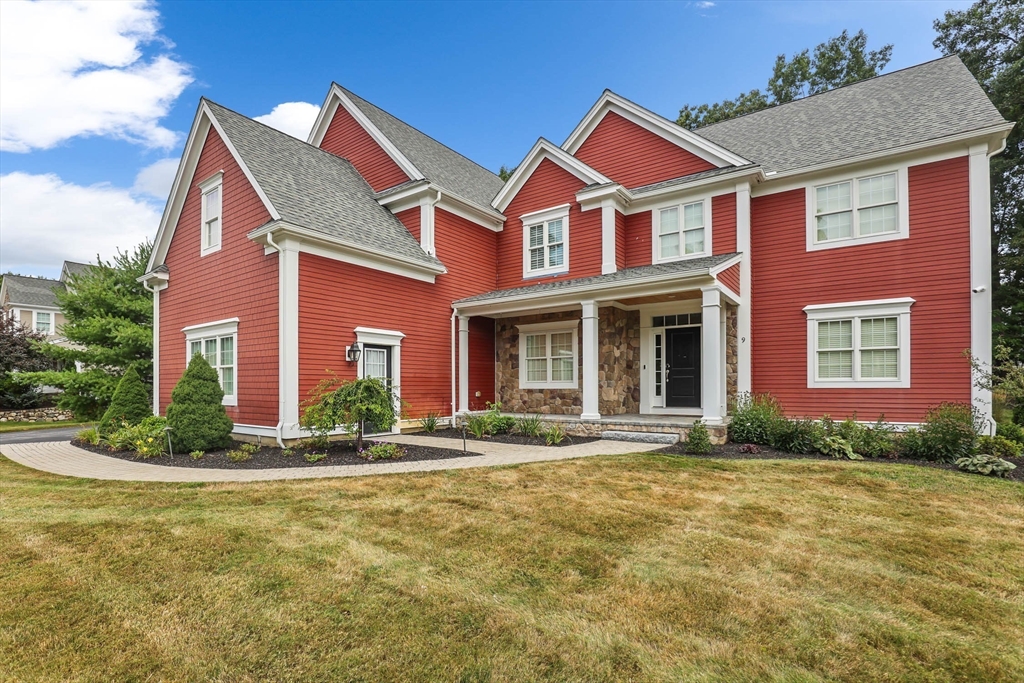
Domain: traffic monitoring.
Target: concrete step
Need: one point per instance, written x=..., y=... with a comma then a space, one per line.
x=640, y=437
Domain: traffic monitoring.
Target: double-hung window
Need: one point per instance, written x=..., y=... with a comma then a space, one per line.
x=217, y=343
x=212, y=193
x=44, y=322
x=546, y=242
x=548, y=356
x=863, y=344
x=867, y=209
x=682, y=231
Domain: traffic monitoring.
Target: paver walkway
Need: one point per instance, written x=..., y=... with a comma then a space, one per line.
x=60, y=457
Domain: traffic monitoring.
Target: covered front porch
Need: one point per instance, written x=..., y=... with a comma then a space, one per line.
x=643, y=349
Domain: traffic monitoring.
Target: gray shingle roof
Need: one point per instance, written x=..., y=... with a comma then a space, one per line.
x=31, y=291
x=73, y=268
x=686, y=268
x=683, y=180
x=316, y=190
x=922, y=103
x=438, y=163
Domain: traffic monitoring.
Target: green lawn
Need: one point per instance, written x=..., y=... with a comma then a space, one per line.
x=29, y=426
x=637, y=567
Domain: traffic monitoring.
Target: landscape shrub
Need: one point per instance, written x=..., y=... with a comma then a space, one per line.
x=755, y=419
x=837, y=447
x=949, y=432
x=315, y=457
x=877, y=441
x=1012, y=431
x=147, y=438
x=999, y=446
x=196, y=455
x=911, y=444
x=238, y=455
x=479, y=426
x=350, y=404
x=196, y=416
x=430, y=422
x=130, y=403
x=90, y=436
x=529, y=425
x=793, y=436
x=986, y=464
x=315, y=443
x=499, y=424
x=698, y=440
x=382, y=450
x=554, y=434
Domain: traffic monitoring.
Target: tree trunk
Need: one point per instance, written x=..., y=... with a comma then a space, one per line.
x=359, y=437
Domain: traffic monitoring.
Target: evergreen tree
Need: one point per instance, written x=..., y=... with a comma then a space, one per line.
x=130, y=403
x=989, y=38
x=196, y=416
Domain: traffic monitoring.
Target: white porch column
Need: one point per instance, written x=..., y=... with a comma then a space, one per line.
x=591, y=391
x=463, y=363
x=608, y=236
x=712, y=389
x=744, y=382
x=981, y=272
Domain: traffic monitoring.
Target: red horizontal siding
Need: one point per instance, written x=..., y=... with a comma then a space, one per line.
x=634, y=156
x=723, y=223
x=638, y=239
x=336, y=297
x=349, y=140
x=549, y=186
x=730, y=277
x=932, y=266
x=237, y=281
x=410, y=218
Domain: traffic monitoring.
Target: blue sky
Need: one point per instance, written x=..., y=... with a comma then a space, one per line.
x=97, y=100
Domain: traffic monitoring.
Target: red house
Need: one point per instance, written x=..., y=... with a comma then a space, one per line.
x=833, y=251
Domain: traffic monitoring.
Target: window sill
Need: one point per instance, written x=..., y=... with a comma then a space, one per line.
x=208, y=251
x=535, y=274
x=229, y=401
x=687, y=257
x=853, y=241
x=859, y=384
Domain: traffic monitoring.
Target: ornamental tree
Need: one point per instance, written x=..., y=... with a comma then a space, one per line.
x=130, y=403
x=196, y=415
x=351, y=404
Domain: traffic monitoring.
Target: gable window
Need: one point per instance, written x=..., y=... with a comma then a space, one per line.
x=217, y=343
x=864, y=344
x=548, y=356
x=866, y=209
x=44, y=322
x=546, y=242
x=682, y=231
x=212, y=191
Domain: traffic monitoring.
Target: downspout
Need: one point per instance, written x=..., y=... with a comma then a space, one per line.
x=280, y=345
x=453, y=366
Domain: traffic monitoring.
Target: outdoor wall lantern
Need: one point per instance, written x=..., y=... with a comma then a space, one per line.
x=353, y=352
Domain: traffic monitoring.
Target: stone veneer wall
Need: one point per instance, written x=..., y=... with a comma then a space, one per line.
x=618, y=366
x=731, y=357
x=36, y=415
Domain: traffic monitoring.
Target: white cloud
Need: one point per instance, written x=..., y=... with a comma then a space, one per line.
x=294, y=118
x=75, y=68
x=705, y=4
x=46, y=220
x=156, y=179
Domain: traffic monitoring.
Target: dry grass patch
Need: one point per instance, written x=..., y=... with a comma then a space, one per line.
x=617, y=568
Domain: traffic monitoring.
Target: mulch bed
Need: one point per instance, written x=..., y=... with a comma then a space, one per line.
x=731, y=451
x=272, y=457
x=516, y=439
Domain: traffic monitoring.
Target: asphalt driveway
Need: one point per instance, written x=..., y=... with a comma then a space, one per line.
x=41, y=435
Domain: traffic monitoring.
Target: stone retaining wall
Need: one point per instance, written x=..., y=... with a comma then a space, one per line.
x=582, y=428
x=36, y=415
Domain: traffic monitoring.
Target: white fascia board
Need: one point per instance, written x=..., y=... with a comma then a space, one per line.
x=409, y=197
x=321, y=245
x=337, y=97
x=183, y=179
x=649, y=286
x=738, y=258
x=660, y=126
x=727, y=180
x=874, y=307
x=592, y=199
x=541, y=150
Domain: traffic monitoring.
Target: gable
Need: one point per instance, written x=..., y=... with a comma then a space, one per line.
x=346, y=138
x=634, y=156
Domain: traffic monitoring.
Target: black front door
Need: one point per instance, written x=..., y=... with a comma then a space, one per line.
x=682, y=367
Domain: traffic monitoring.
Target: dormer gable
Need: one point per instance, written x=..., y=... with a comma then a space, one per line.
x=543, y=149
x=634, y=146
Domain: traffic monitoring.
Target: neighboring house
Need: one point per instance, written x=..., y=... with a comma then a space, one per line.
x=33, y=300
x=834, y=251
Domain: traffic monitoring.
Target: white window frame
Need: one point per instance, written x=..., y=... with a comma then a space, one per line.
x=544, y=217
x=547, y=329
x=857, y=311
x=214, y=182
x=50, y=326
x=656, y=229
x=215, y=330
x=378, y=337
x=902, y=209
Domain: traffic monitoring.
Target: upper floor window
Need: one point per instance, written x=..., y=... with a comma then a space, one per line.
x=682, y=231
x=865, y=209
x=44, y=322
x=863, y=344
x=546, y=242
x=212, y=189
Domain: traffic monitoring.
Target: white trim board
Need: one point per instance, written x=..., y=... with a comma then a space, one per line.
x=541, y=150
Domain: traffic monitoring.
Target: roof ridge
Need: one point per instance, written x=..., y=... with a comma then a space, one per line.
x=832, y=90
x=409, y=125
